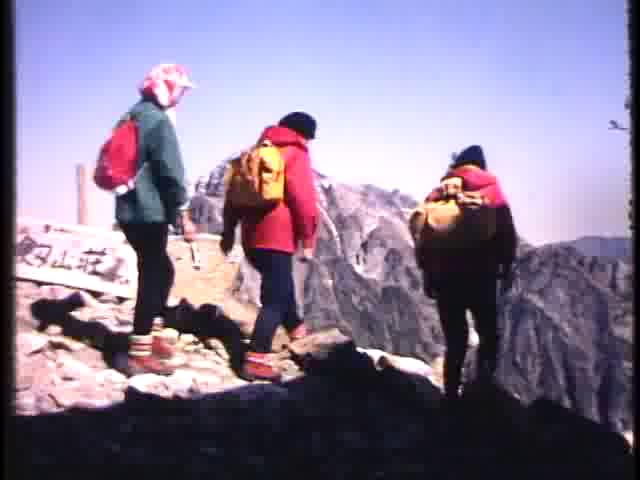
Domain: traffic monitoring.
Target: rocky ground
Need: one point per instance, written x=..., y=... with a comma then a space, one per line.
x=66, y=341
x=343, y=412
x=63, y=357
x=566, y=325
x=343, y=419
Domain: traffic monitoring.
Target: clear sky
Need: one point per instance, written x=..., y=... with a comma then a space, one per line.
x=395, y=85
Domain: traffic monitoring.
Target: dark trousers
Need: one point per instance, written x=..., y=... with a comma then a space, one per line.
x=277, y=295
x=155, y=272
x=455, y=294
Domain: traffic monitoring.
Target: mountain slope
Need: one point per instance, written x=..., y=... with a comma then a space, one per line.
x=344, y=419
x=566, y=326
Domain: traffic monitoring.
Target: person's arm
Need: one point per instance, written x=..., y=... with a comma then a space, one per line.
x=301, y=199
x=506, y=244
x=168, y=170
x=231, y=217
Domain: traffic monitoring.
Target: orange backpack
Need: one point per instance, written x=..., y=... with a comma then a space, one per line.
x=255, y=179
x=453, y=219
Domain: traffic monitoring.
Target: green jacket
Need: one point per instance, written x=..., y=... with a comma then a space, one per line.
x=159, y=189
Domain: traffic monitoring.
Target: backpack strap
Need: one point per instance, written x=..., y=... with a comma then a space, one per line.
x=126, y=117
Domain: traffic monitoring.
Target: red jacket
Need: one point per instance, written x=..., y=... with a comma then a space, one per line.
x=478, y=181
x=294, y=221
x=488, y=256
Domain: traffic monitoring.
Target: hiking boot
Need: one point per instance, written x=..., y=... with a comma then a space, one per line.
x=161, y=348
x=142, y=359
x=259, y=366
x=148, y=364
x=298, y=333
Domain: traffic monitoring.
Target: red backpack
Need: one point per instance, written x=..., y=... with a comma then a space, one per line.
x=117, y=164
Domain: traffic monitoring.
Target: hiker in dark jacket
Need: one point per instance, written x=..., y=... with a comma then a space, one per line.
x=144, y=214
x=271, y=238
x=462, y=279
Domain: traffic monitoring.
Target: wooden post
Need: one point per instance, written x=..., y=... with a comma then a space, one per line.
x=83, y=208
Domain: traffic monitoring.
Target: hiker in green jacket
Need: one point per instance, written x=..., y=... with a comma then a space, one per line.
x=144, y=214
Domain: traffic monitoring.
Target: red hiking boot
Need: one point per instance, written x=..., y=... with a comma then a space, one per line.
x=161, y=348
x=141, y=358
x=139, y=365
x=259, y=366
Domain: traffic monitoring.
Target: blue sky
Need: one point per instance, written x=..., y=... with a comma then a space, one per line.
x=395, y=85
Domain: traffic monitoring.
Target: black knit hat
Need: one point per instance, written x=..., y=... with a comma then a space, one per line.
x=300, y=122
x=472, y=155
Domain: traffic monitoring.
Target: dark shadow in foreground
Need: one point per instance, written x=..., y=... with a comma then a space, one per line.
x=207, y=321
x=344, y=419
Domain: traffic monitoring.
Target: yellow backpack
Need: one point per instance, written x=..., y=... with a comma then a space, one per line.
x=255, y=179
x=460, y=219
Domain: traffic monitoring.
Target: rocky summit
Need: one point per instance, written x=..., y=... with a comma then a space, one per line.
x=361, y=396
x=566, y=325
x=344, y=418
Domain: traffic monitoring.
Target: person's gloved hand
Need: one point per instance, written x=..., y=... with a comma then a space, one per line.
x=227, y=241
x=506, y=279
x=429, y=291
x=307, y=255
x=189, y=231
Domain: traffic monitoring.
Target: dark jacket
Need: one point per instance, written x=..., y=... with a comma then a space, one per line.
x=488, y=257
x=159, y=190
x=294, y=222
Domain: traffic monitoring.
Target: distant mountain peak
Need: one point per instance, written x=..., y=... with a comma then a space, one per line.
x=613, y=247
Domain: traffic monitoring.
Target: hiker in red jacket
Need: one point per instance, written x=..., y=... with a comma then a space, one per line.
x=271, y=238
x=467, y=278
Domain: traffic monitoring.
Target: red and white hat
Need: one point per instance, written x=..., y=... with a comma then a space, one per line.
x=166, y=82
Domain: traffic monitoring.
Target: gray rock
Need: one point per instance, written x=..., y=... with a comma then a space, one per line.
x=218, y=347
x=93, y=403
x=210, y=383
x=53, y=330
x=64, y=396
x=45, y=403
x=181, y=383
x=25, y=403
x=72, y=369
x=107, y=299
x=115, y=396
x=124, y=319
x=56, y=292
x=111, y=377
x=65, y=343
x=30, y=343
x=202, y=364
x=150, y=383
x=88, y=300
x=207, y=211
x=212, y=358
x=319, y=344
x=31, y=371
x=26, y=289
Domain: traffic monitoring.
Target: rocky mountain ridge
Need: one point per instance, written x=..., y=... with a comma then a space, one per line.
x=343, y=409
x=618, y=248
x=566, y=324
